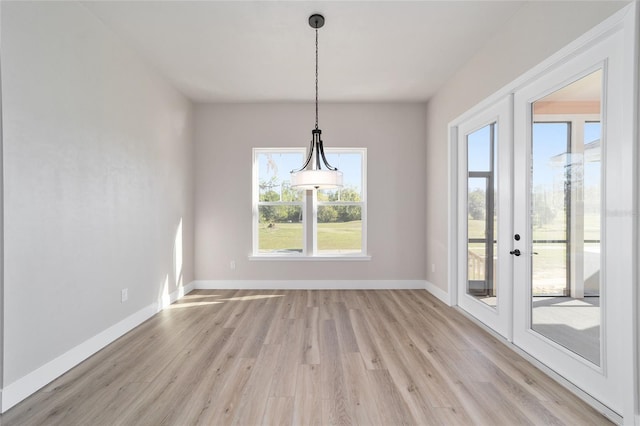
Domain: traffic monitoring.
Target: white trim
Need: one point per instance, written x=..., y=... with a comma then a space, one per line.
x=438, y=292
x=452, y=233
x=309, y=284
x=177, y=294
x=32, y=382
x=318, y=258
x=632, y=43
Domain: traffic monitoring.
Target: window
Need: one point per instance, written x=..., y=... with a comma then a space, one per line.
x=339, y=213
x=326, y=223
x=279, y=211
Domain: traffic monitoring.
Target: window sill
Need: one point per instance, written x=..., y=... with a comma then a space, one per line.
x=316, y=258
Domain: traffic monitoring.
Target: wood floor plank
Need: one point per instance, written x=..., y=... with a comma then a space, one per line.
x=307, y=408
x=496, y=406
x=256, y=391
x=427, y=377
x=361, y=398
x=366, y=345
x=452, y=416
x=299, y=305
x=344, y=328
x=518, y=395
x=279, y=411
x=336, y=409
x=278, y=328
x=174, y=384
x=392, y=406
x=376, y=302
x=305, y=358
x=254, y=339
x=311, y=348
x=223, y=396
x=405, y=381
x=284, y=377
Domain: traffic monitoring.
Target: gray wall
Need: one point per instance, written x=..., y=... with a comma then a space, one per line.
x=394, y=136
x=538, y=30
x=97, y=167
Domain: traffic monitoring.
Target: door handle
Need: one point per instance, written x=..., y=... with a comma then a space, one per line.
x=515, y=252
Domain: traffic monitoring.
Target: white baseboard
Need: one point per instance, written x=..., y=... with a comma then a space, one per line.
x=32, y=382
x=186, y=290
x=168, y=299
x=438, y=292
x=309, y=284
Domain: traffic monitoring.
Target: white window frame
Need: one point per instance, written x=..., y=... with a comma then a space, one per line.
x=256, y=203
x=310, y=211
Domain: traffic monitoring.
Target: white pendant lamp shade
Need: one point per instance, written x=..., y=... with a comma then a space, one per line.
x=316, y=179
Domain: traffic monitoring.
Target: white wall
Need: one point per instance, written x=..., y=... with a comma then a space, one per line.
x=98, y=176
x=394, y=135
x=537, y=31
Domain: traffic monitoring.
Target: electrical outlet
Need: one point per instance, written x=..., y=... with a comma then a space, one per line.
x=124, y=295
x=433, y=267
x=232, y=264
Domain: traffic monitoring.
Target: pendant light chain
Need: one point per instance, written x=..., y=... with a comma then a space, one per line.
x=316, y=79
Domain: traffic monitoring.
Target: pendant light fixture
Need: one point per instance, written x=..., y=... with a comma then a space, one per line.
x=311, y=175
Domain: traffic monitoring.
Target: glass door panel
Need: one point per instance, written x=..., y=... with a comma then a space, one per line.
x=565, y=216
x=549, y=208
x=482, y=217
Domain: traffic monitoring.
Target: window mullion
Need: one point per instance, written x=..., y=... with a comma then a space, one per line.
x=310, y=223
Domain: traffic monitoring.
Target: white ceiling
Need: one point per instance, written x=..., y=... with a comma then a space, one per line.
x=241, y=51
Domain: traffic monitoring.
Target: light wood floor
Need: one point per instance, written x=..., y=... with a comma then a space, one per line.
x=304, y=357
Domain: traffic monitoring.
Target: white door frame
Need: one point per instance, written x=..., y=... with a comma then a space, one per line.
x=626, y=20
x=499, y=318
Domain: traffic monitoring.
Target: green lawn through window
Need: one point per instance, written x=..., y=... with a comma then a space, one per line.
x=287, y=237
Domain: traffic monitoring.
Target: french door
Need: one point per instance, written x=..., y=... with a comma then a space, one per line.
x=544, y=225
x=484, y=144
x=567, y=148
